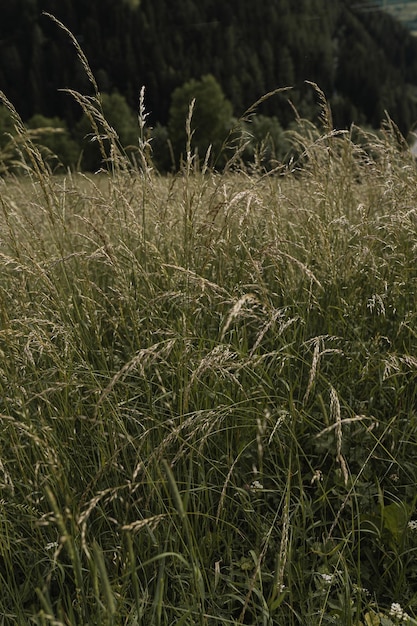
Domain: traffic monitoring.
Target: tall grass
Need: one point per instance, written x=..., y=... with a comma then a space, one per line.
x=208, y=387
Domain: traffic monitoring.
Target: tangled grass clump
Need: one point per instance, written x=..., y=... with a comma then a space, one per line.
x=208, y=397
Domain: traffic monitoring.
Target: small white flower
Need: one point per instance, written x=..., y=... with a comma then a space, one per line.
x=397, y=612
x=412, y=525
x=256, y=486
x=50, y=546
x=395, y=609
x=362, y=590
x=328, y=578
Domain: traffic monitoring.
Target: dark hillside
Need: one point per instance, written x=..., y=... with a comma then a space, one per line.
x=364, y=61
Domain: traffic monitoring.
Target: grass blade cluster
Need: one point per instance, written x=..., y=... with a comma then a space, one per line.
x=208, y=389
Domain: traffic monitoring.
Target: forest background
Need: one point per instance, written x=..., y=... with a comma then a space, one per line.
x=364, y=61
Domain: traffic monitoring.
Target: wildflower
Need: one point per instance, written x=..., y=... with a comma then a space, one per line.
x=256, y=486
x=328, y=578
x=360, y=590
x=398, y=613
x=412, y=525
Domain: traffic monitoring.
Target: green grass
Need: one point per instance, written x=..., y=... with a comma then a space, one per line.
x=208, y=389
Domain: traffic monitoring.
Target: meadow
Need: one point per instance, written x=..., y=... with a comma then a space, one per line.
x=208, y=386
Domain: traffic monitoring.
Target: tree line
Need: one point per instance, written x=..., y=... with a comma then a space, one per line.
x=365, y=62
